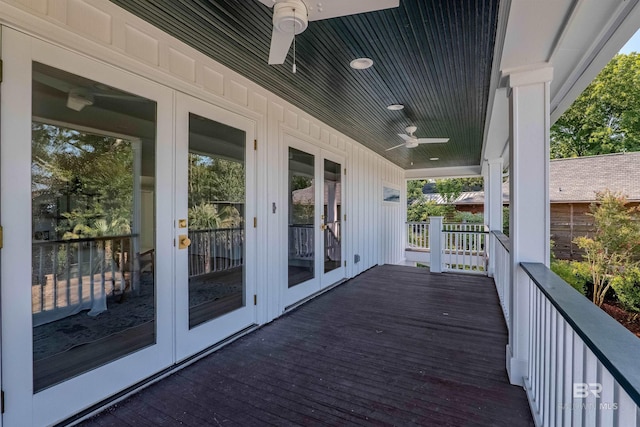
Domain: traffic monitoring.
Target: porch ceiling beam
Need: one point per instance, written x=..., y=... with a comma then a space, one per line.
x=449, y=172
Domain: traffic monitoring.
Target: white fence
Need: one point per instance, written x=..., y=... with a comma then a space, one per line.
x=464, y=250
x=69, y=276
x=582, y=365
x=215, y=250
x=418, y=235
x=502, y=273
x=463, y=247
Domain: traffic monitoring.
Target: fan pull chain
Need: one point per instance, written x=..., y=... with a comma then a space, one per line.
x=294, y=41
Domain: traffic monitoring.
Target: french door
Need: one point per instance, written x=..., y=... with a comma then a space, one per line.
x=86, y=265
x=315, y=200
x=215, y=235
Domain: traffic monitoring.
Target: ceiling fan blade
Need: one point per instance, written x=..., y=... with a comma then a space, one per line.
x=122, y=97
x=52, y=82
x=397, y=146
x=432, y=140
x=280, y=44
x=335, y=8
x=405, y=136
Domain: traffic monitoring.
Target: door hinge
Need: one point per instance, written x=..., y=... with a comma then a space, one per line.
x=2, y=402
x=255, y=144
x=255, y=222
x=1, y=66
x=345, y=262
x=1, y=237
x=345, y=217
x=255, y=299
x=345, y=171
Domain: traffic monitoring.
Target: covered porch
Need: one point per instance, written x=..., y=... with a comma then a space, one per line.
x=396, y=345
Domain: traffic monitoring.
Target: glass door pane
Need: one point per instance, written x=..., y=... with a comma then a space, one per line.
x=216, y=220
x=332, y=211
x=302, y=205
x=93, y=224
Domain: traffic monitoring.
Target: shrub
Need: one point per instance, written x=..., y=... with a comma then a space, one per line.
x=627, y=287
x=615, y=244
x=575, y=273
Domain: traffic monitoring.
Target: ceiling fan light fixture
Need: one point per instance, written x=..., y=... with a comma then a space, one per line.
x=412, y=144
x=361, y=63
x=395, y=107
x=78, y=99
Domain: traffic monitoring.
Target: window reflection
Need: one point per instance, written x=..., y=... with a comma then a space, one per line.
x=301, y=217
x=216, y=219
x=93, y=290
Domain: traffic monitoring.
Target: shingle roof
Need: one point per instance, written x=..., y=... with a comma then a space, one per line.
x=578, y=179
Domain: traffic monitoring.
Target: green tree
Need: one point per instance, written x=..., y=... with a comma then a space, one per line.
x=414, y=190
x=604, y=118
x=613, y=250
x=85, y=180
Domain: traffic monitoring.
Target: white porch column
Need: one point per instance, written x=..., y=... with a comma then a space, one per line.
x=529, y=118
x=435, y=243
x=493, y=205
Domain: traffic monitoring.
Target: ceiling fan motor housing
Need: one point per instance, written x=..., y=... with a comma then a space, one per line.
x=290, y=16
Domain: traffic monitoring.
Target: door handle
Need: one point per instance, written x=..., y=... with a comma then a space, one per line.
x=323, y=227
x=183, y=241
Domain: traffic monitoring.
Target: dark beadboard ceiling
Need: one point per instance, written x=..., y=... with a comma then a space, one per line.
x=433, y=56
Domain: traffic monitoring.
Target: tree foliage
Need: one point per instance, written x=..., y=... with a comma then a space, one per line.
x=82, y=181
x=604, y=118
x=613, y=250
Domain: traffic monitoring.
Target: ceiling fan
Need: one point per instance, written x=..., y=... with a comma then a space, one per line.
x=291, y=17
x=412, y=141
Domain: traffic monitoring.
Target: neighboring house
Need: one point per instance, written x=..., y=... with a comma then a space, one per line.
x=573, y=186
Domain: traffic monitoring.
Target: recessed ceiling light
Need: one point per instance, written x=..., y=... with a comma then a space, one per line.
x=361, y=63
x=433, y=159
x=395, y=107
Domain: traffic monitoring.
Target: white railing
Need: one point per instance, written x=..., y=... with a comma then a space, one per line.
x=418, y=235
x=502, y=273
x=215, y=250
x=464, y=248
x=69, y=276
x=301, y=242
x=582, y=365
x=332, y=246
x=456, y=226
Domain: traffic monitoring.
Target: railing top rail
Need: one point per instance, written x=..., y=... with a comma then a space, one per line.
x=84, y=239
x=416, y=222
x=466, y=231
x=503, y=239
x=615, y=347
x=208, y=230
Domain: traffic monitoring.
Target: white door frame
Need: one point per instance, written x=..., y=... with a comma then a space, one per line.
x=191, y=341
x=320, y=280
x=337, y=274
x=60, y=401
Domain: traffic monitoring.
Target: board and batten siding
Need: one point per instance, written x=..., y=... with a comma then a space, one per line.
x=109, y=34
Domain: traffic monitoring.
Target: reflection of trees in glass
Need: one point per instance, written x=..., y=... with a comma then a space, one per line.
x=302, y=211
x=82, y=184
x=214, y=180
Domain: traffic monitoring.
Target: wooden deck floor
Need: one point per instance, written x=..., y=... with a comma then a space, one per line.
x=394, y=346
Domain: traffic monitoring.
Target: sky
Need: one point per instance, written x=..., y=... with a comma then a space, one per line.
x=633, y=45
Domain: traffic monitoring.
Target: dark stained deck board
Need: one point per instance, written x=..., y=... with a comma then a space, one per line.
x=377, y=350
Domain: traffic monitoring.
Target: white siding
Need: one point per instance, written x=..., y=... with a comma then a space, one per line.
x=99, y=29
